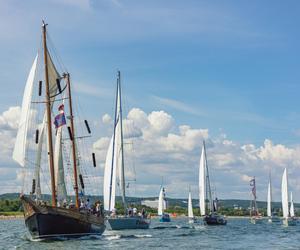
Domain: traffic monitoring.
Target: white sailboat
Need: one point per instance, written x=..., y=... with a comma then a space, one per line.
x=208, y=209
x=190, y=209
x=272, y=216
x=292, y=210
x=162, y=205
x=269, y=203
x=114, y=165
x=286, y=220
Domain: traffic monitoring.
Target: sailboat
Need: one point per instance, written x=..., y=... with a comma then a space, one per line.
x=272, y=216
x=162, y=205
x=191, y=217
x=287, y=220
x=255, y=217
x=60, y=218
x=208, y=206
x=115, y=163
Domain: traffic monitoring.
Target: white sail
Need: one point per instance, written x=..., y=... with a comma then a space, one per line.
x=269, y=209
x=284, y=195
x=38, y=158
x=59, y=167
x=202, y=183
x=190, y=207
x=292, y=210
x=19, y=153
x=109, y=183
x=161, y=205
x=119, y=142
x=114, y=159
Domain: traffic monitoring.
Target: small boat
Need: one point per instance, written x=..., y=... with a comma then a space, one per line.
x=255, y=217
x=162, y=204
x=208, y=206
x=288, y=216
x=191, y=217
x=115, y=163
x=61, y=217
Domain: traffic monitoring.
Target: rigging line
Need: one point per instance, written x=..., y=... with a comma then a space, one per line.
x=55, y=53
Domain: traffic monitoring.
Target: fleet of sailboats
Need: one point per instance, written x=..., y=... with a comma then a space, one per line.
x=63, y=217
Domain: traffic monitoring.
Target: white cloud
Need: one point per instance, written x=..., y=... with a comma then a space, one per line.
x=161, y=148
x=106, y=119
x=175, y=104
x=160, y=122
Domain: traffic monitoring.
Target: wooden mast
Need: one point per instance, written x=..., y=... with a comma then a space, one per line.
x=73, y=142
x=49, y=123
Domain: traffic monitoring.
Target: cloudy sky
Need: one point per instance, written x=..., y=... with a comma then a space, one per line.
x=224, y=71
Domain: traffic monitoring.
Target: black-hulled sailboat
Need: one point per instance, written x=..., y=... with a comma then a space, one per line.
x=115, y=164
x=62, y=217
x=208, y=206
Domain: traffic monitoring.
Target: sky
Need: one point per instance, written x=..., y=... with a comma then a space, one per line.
x=223, y=71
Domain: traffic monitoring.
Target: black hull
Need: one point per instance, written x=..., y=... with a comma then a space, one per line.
x=215, y=220
x=44, y=222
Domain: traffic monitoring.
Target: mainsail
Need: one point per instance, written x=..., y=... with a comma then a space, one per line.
x=190, y=206
x=109, y=185
x=284, y=195
x=292, y=210
x=269, y=208
x=161, y=203
x=115, y=158
x=202, y=183
x=19, y=153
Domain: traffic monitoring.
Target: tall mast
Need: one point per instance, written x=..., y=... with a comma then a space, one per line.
x=122, y=152
x=270, y=180
x=73, y=142
x=208, y=189
x=49, y=123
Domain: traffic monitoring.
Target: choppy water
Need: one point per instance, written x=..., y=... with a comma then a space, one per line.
x=238, y=234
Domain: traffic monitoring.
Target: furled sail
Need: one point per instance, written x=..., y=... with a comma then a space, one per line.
x=19, y=153
x=292, y=210
x=269, y=209
x=161, y=204
x=190, y=206
x=284, y=195
x=202, y=183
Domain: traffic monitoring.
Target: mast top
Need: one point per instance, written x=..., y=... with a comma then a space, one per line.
x=44, y=24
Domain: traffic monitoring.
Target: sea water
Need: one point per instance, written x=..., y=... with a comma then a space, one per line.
x=178, y=234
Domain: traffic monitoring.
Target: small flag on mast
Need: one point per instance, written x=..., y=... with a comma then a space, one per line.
x=60, y=119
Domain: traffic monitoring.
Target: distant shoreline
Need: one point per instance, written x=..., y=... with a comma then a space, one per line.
x=11, y=217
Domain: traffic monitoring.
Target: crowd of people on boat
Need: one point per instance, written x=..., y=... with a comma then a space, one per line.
x=131, y=211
